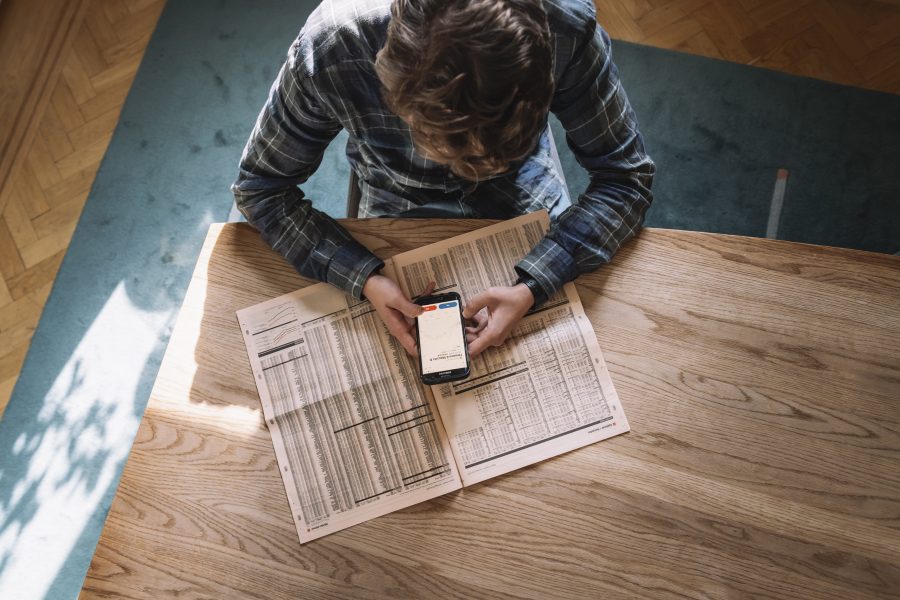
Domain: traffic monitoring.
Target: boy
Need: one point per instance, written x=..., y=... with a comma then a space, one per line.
x=446, y=105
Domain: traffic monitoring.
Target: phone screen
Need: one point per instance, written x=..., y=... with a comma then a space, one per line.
x=441, y=343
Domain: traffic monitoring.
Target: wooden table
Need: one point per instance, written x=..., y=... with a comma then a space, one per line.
x=761, y=380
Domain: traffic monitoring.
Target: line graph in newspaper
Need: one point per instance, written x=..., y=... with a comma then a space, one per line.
x=356, y=434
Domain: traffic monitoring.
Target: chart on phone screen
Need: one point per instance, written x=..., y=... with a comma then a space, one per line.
x=356, y=434
x=440, y=337
x=546, y=389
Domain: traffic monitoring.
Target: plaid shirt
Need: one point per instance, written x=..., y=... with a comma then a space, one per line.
x=328, y=82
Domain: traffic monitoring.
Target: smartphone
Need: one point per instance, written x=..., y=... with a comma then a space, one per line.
x=440, y=329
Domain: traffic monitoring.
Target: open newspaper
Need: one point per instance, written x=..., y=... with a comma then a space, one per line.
x=357, y=435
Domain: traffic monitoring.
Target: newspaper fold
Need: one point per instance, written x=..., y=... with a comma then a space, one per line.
x=356, y=434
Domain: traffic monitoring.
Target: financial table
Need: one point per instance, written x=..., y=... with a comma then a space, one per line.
x=761, y=380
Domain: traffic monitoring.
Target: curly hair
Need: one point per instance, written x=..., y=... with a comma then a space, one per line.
x=472, y=78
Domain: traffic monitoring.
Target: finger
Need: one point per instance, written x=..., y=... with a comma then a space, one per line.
x=409, y=309
x=480, y=319
x=408, y=342
x=483, y=300
x=477, y=328
x=471, y=337
x=482, y=342
x=400, y=329
x=428, y=290
x=405, y=337
x=478, y=345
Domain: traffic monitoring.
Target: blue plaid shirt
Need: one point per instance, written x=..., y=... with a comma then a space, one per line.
x=328, y=82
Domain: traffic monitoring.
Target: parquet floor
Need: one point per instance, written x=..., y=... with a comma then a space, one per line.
x=50, y=187
x=856, y=42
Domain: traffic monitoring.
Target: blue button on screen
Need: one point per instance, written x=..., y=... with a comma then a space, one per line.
x=447, y=305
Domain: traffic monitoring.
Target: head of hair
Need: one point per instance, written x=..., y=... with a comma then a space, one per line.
x=472, y=78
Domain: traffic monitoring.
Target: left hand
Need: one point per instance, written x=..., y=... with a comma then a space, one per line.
x=395, y=309
x=496, y=311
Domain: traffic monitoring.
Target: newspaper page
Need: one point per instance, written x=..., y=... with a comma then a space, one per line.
x=547, y=390
x=356, y=434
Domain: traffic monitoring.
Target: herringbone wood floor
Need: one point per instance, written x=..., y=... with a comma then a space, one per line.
x=856, y=42
x=50, y=187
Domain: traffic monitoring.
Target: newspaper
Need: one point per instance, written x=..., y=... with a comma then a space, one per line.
x=357, y=435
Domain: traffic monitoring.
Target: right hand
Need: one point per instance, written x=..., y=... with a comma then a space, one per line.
x=395, y=309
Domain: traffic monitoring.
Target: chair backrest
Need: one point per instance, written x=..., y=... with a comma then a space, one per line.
x=353, y=196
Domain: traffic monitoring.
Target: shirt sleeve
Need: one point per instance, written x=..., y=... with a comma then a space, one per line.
x=602, y=132
x=284, y=150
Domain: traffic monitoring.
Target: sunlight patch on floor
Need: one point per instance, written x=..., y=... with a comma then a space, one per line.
x=86, y=427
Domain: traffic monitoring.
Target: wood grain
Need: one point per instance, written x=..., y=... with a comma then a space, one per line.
x=854, y=42
x=761, y=380
x=72, y=86
x=71, y=72
x=36, y=37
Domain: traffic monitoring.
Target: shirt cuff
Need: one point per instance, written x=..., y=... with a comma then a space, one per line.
x=350, y=266
x=550, y=265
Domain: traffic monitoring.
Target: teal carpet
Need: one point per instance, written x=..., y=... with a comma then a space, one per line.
x=718, y=132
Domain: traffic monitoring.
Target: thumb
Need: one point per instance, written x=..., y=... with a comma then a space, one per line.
x=409, y=309
x=477, y=303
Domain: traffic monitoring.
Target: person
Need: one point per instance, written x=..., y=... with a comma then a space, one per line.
x=446, y=104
